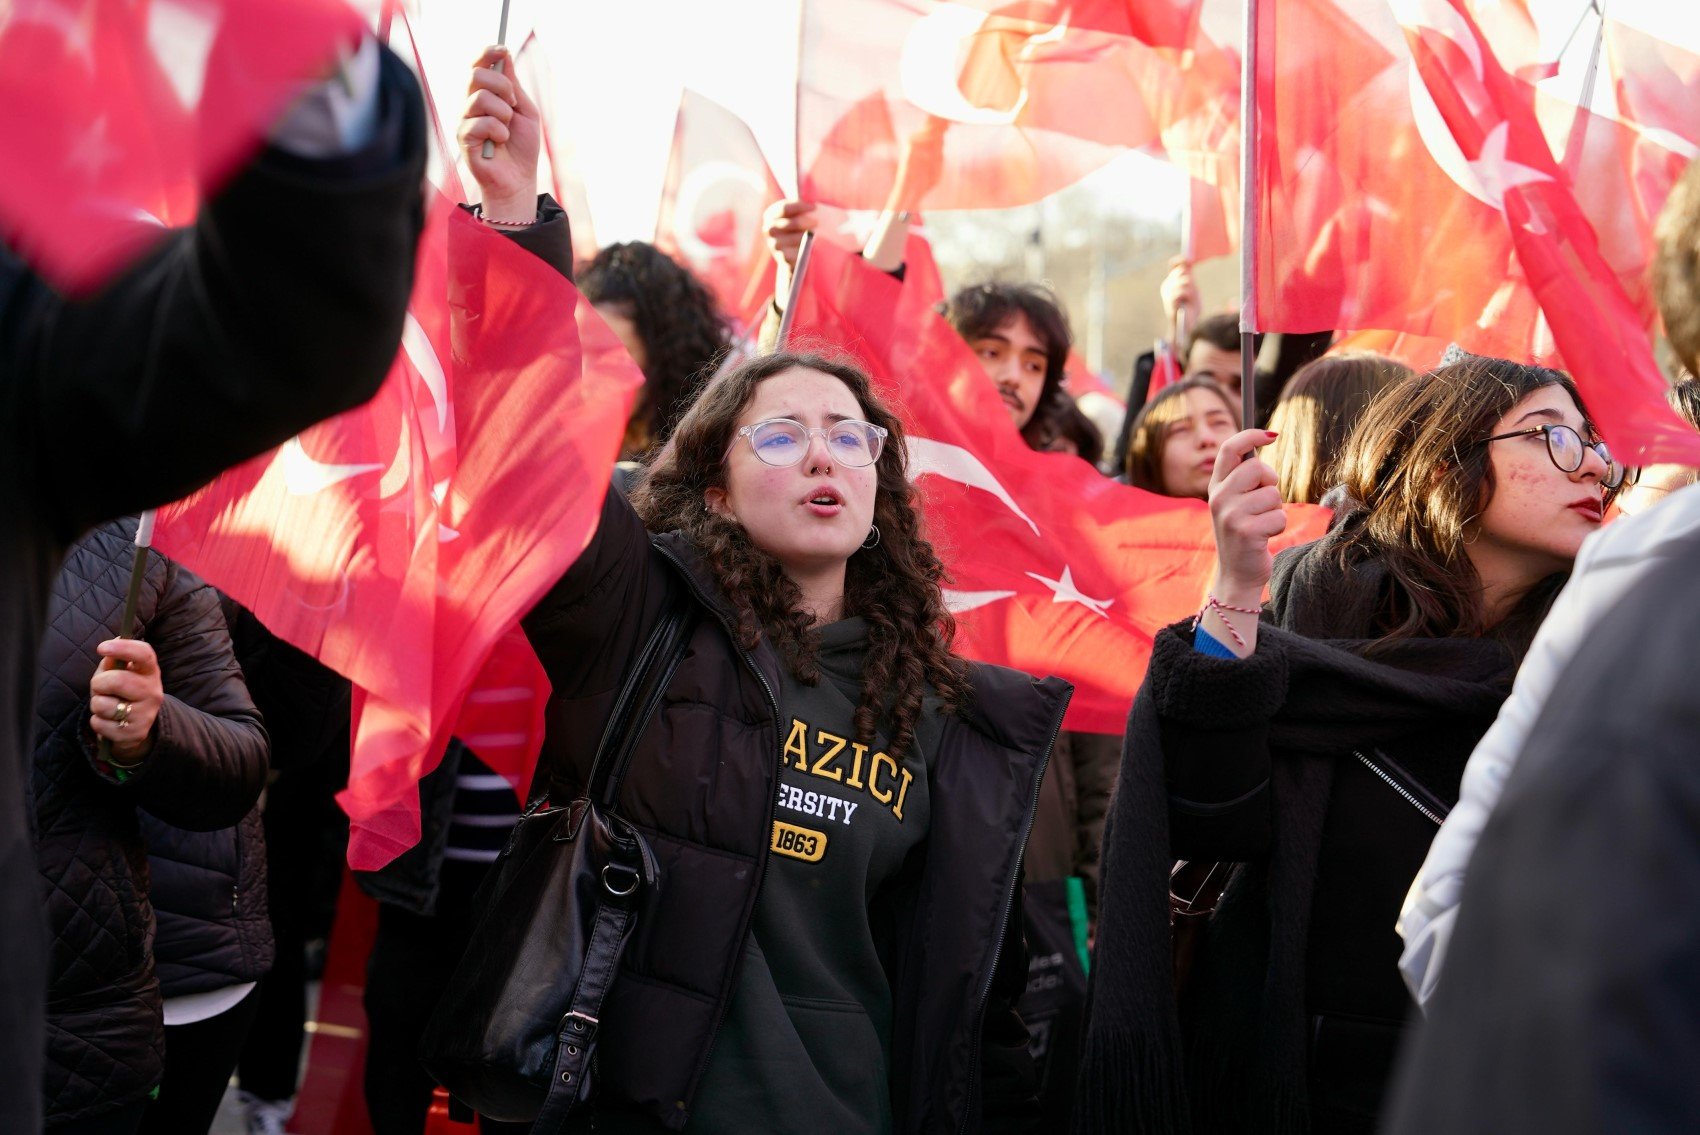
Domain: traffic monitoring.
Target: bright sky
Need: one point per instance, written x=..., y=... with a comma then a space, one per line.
x=619, y=69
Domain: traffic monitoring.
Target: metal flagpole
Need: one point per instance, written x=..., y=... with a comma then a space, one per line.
x=489, y=150
x=797, y=274
x=1248, y=219
x=138, y=572
x=1179, y=330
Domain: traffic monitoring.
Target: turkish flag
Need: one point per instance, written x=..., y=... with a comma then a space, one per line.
x=718, y=184
x=1492, y=119
x=994, y=105
x=1379, y=208
x=1054, y=568
x=121, y=114
x=1657, y=85
x=400, y=543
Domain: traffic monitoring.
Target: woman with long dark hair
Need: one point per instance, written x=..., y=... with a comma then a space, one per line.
x=837, y=801
x=1316, y=743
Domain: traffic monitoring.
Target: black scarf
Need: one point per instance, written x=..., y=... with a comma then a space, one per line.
x=1321, y=691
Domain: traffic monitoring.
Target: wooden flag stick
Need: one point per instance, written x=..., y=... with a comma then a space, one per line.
x=489, y=150
x=132, y=597
x=796, y=292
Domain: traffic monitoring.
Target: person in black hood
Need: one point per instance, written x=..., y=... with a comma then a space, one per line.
x=1319, y=747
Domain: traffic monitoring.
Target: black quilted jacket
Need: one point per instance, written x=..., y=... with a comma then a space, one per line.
x=208, y=889
x=105, y=1039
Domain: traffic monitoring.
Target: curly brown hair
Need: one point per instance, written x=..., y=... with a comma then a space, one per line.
x=683, y=332
x=895, y=585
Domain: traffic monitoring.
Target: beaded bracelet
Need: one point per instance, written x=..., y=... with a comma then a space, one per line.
x=1212, y=601
x=478, y=211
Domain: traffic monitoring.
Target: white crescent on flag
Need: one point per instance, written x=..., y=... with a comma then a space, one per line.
x=957, y=464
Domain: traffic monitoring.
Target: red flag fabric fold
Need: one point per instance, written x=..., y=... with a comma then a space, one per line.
x=122, y=113
x=399, y=543
x=1054, y=567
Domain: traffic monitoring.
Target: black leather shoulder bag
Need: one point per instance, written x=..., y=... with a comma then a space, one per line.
x=514, y=1035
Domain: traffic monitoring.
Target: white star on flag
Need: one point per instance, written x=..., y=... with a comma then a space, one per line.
x=1064, y=591
x=1496, y=174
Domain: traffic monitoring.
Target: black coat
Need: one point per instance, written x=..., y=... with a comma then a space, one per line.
x=208, y=889
x=1571, y=997
x=1295, y=1003
x=205, y=770
x=701, y=785
x=282, y=305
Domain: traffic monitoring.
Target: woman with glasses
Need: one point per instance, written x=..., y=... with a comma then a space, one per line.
x=837, y=802
x=1316, y=742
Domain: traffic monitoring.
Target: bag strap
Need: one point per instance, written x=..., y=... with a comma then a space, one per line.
x=575, y=1038
x=639, y=699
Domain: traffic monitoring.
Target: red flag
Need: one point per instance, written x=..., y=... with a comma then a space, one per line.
x=1021, y=98
x=1492, y=119
x=399, y=543
x=718, y=185
x=1657, y=84
x=1054, y=567
x=121, y=113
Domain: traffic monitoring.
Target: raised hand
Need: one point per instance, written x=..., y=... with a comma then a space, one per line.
x=499, y=110
x=1245, y=507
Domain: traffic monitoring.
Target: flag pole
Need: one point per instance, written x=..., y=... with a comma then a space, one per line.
x=797, y=274
x=489, y=150
x=1179, y=330
x=1248, y=219
x=132, y=597
x=1579, y=124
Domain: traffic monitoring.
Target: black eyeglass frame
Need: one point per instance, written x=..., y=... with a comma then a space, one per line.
x=1625, y=475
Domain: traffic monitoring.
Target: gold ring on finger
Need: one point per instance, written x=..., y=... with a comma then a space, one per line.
x=121, y=713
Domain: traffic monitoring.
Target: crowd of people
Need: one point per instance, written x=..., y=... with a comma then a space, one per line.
x=896, y=894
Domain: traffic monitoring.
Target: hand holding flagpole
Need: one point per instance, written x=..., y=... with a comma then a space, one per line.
x=489, y=150
x=132, y=598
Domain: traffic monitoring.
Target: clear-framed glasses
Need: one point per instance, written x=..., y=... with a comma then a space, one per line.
x=1567, y=450
x=782, y=442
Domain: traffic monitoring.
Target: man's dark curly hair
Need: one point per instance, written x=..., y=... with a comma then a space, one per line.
x=683, y=333
x=895, y=585
x=980, y=309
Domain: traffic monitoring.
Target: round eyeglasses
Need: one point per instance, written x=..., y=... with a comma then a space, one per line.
x=781, y=441
x=1567, y=450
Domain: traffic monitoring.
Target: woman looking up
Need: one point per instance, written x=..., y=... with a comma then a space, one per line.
x=1318, y=747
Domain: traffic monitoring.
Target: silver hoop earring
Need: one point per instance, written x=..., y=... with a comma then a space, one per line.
x=873, y=537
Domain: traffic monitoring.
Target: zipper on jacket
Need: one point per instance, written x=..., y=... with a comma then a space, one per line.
x=1428, y=809
x=979, y=1021
x=772, y=802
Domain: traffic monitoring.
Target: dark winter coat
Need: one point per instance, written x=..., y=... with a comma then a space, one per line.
x=208, y=891
x=1068, y=828
x=1570, y=1002
x=282, y=305
x=1295, y=1004
x=205, y=770
x=701, y=786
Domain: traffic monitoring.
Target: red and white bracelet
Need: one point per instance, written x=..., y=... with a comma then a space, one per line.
x=1212, y=601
